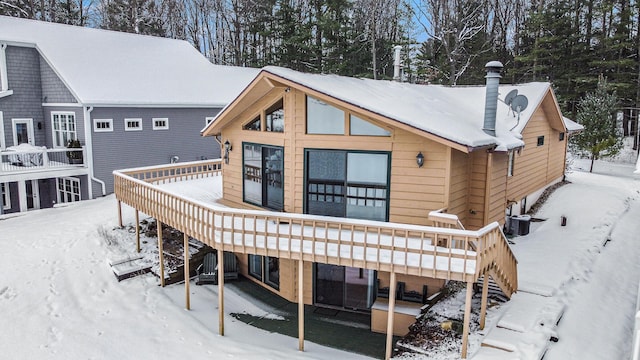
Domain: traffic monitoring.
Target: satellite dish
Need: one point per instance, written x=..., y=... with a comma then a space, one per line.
x=519, y=103
x=510, y=96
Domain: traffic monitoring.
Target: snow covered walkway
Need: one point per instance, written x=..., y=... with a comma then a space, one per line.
x=572, y=277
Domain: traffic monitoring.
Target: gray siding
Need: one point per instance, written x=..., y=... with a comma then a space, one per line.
x=48, y=123
x=125, y=149
x=23, y=68
x=53, y=89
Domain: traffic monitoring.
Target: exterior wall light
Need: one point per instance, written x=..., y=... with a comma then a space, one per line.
x=227, y=148
x=420, y=159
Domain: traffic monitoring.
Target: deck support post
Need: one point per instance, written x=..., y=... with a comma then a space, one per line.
x=137, y=230
x=390, y=315
x=483, y=303
x=160, y=253
x=467, y=320
x=187, y=300
x=300, y=305
x=220, y=256
x=120, y=213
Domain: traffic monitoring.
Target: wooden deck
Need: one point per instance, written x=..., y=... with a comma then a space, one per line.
x=436, y=252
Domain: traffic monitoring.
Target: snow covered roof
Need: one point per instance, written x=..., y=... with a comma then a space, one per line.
x=571, y=125
x=103, y=67
x=453, y=113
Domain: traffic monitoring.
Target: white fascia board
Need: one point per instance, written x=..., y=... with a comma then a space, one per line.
x=152, y=105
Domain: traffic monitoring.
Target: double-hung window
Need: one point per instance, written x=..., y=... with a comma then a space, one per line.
x=64, y=128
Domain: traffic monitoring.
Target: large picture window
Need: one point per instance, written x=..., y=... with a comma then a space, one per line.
x=64, y=128
x=263, y=181
x=265, y=269
x=347, y=184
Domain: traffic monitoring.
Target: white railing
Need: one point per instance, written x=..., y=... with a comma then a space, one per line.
x=21, y=161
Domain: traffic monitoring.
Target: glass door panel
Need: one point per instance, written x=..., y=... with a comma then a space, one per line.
x=358, y=288
x=329, y=285
x=273, y=165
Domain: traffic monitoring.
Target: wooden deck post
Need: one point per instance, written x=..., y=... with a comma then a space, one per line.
x=120, y=213
x=300, y=305
x=187, y=300
x=390, y=315
x=483, y=303
x=160, y=252
x=220, y=256
x=467, y=320
x=137, y=230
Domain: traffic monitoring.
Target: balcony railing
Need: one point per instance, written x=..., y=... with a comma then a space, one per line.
x=437, y=252
x=38, y=160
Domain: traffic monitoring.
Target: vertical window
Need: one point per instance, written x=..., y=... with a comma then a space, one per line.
x=274, y=117
x=68, y=190
x=64, y=128
x=255, y=266
x=561, y=137
x=540, y=140
x=512, y=161
x=263, y=180
x=102, y=125
x=6, y=197
x=323, y=118
x=132, y=124
x=160, y=123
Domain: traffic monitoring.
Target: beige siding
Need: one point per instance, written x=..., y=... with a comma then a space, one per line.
x=498, y=188
x=536, y=166
x=477, y=189
x=459, y=185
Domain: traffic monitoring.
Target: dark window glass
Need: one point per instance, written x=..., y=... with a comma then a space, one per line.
x=252, y=125
x=274, y=117
x=540, y=140
x=561, y=136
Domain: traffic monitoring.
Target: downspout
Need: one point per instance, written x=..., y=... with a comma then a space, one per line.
x=4, y=81
x=88, y=140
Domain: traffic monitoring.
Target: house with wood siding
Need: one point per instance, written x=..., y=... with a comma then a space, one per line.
x=366, y=195
x=129, y=100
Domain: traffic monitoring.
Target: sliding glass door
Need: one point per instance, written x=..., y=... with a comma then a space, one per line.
x=263, y=181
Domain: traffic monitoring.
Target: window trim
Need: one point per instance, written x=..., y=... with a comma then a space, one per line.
x=127, y=128
x=5, y=192
x=160, y=127
x=345, y=118
x=106, y=121
x=60, y=199
x=264, y=270
x=53, y=127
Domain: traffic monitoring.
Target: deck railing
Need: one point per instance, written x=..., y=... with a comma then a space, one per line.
x=22, y=161
x=409, y=249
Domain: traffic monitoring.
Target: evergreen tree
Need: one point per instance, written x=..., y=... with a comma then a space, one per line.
x=597, y=113
x=134, y=16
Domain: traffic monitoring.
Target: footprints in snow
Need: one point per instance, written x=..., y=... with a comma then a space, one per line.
x=7, y=293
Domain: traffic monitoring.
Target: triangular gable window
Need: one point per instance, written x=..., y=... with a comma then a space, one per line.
x=359, y=126
x=252, y=125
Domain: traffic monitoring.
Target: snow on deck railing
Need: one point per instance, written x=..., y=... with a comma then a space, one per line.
x=21, y=161
x=411, y=249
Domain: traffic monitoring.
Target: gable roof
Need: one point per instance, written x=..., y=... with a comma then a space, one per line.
x=103, y=67
x=452, y=113
x=572, y=126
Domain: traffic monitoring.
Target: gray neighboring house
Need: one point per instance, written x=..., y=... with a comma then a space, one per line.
x=130, y=100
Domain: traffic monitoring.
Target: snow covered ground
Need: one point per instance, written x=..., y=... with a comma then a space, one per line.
x=59, y=300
